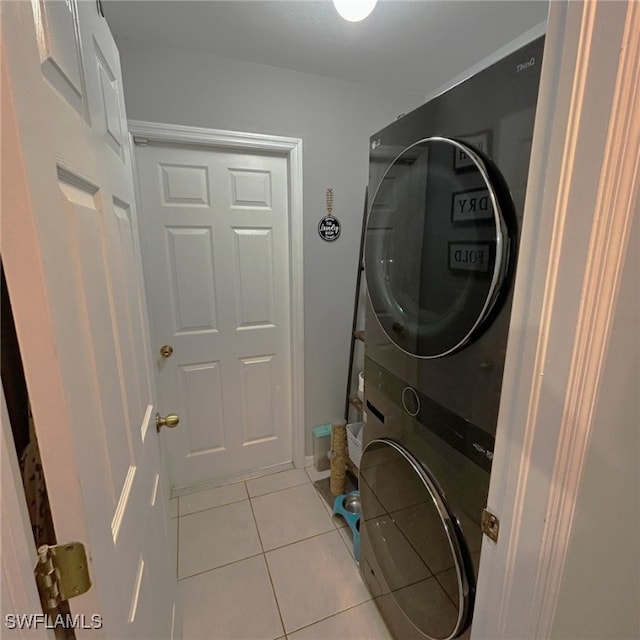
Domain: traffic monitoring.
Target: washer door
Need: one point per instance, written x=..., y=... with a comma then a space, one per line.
x=437, y=246
x=415, y=540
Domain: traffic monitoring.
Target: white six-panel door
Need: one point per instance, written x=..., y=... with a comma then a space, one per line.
x=215, y=229
x=75, y=282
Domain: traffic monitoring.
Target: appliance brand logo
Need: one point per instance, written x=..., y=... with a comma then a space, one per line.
x=480, y=449
x=525, y=65
x=375, y=144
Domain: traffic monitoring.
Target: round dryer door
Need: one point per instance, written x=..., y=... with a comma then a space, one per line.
x=437, y=246
x=415, y=540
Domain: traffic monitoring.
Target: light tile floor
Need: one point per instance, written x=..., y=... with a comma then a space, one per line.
x=265, y=560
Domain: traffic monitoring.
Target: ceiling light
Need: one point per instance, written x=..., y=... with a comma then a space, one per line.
x=354, y=10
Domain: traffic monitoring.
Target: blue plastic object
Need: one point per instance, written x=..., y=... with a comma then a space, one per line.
x=348, y=506
x=322, y=431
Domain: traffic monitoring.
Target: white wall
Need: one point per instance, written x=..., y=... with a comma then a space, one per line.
x=335, y=119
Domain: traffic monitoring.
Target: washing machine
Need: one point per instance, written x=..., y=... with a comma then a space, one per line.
x=447, y=184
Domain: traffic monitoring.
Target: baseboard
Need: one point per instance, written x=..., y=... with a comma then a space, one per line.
x=176, y=492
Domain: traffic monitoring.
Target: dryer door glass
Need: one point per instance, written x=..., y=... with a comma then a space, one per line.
x=415, y=540
x=437, y=246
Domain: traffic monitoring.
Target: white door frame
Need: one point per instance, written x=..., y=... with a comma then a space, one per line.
x=292, y=149
x=584, y=188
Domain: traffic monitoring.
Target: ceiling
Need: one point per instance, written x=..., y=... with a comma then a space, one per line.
x=408, y=45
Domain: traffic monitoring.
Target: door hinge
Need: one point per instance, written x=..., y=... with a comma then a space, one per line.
x=140, y=141
x=62, y=572
x=490, y=525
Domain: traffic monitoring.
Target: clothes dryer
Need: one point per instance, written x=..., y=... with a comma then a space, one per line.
x=447, y=184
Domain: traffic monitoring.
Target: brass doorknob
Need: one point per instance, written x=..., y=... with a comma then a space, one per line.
x=166, y=351
x=170, y=421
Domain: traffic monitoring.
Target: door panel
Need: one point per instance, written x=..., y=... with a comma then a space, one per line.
x=190, y=257
x=216, y=247
x=93, y=287
x=120, y=256
x=254, y=278
x=111, y=117
x=201, y=386
x=59, y=49
x=256, y=398
x=184, y=185
x=69, y=252
x=250, y=189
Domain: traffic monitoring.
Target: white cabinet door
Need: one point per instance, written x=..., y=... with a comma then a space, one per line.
x=215, y=225
x=75, y=282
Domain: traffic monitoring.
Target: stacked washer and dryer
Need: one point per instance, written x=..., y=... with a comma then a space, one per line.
x=448, y=182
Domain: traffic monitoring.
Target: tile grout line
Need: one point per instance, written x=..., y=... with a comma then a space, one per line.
x=264, y=552
x=333, y=615
x=222, y=504
x=248, y=496
x=221, y=566
x=268, y=493
x=255, y=521
x=266, y=564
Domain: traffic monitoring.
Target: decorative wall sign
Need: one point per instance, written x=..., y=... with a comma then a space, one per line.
x=480, y=141
x=471, y=205
x=470, y=256
x=329, y=226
